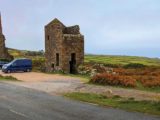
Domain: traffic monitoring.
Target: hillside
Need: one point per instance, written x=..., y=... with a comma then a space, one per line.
x=105, y=59
x=17, y=53
x=122, y=60
x=26, y=53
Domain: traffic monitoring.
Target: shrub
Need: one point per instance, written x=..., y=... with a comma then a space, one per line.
x=5, y=60
x=38, y=64
x=115, y=80
x=112, y=65
x=84, y=69
x=148, y=76
x=35, y=53
x=134, y=65
x=99, y=68
x=150, y=81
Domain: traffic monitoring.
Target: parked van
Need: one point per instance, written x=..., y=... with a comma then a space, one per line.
x=18, y=65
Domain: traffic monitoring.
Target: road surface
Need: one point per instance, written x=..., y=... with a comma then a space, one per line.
x=20, y=103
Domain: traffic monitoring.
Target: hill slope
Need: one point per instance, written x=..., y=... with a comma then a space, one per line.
x=122, y=60
x=105, y=59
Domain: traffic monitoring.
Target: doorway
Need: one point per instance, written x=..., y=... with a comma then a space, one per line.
x=73, y=63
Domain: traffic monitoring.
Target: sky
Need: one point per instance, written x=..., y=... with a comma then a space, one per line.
x=111, y=27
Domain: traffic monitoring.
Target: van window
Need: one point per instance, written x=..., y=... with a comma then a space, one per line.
x=20, y=62
x=14, y=64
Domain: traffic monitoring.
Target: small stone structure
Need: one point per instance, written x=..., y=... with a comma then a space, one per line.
x=3, y=50
x=64, y=47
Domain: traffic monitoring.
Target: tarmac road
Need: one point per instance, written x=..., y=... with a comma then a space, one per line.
x=20, y=103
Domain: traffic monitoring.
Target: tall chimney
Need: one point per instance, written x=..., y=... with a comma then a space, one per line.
x=0, y=24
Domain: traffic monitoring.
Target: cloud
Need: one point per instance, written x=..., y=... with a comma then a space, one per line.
x=110, y=26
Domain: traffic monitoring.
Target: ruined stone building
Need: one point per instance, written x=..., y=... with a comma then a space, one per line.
x=64, y=47
x=3, y=50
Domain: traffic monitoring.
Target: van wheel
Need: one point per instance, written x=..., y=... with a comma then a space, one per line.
x=28, y=70
x=8, y=71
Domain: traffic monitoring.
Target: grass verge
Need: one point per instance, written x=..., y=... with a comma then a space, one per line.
x=150, y=107
x=149, y=89
x=7, y=78
x=138, y=87
x=83, y=78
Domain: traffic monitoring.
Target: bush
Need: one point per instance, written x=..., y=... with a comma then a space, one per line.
x=134, y=65
x=35, y=53
x=38, y=64
x=84, y=69
x=147, y=76
x=5, y=60
x=115, y=80
x=150, y=81
x=100, y=68
x=112, y=65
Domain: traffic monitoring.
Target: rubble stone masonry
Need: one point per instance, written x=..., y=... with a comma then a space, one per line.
x=64, y=47
x=3, y=50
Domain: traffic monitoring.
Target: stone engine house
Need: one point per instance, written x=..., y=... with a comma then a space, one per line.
x=64, y=47
x=3, y=50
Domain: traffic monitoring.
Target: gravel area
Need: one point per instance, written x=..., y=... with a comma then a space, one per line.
x=59, y=84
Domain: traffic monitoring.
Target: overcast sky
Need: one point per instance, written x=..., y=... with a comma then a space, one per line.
x=116, y=27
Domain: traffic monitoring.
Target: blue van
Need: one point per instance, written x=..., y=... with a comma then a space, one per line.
x=18, y=65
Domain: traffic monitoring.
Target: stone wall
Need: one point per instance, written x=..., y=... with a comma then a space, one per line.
x=3, y=50
x=53, y=41
x=72, y=44
x=72, y=30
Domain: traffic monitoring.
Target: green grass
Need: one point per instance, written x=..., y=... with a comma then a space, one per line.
x=138, y=87
x=118, y=102
x=142, y=88
x=83, y=78
x=22, y=54
x=121, y=60
x=7, y=78
x=150, y=89
x=17, y=53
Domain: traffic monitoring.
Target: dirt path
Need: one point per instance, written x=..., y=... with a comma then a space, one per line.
x=37, y=77
x=58, y=84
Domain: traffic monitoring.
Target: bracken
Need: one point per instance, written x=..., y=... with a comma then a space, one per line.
x=115, y=80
